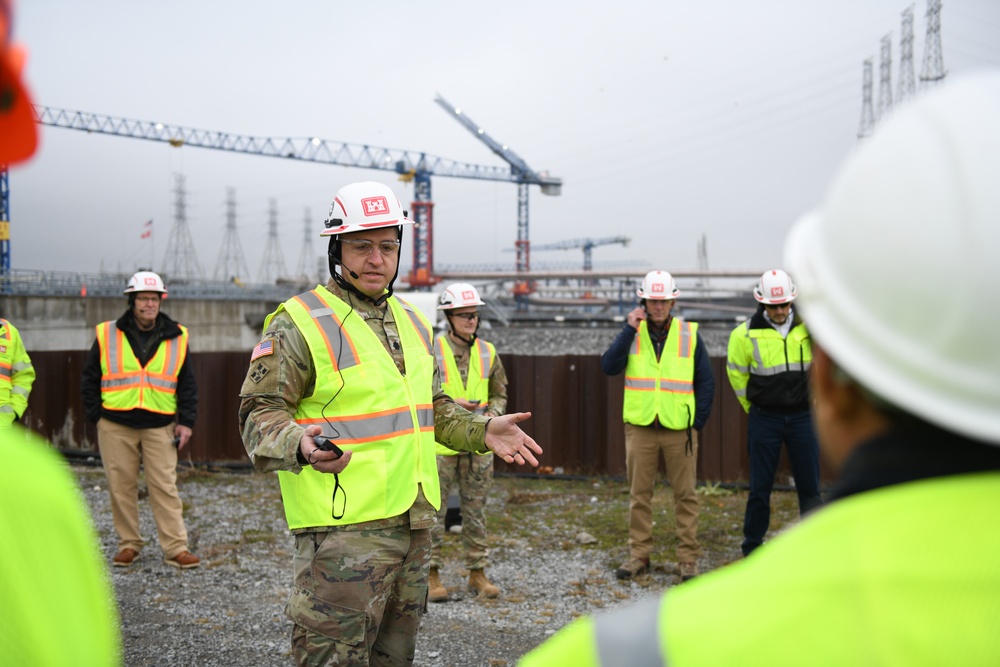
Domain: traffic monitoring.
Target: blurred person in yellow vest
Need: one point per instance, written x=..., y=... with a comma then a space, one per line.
x=139, y=388
x=56, y=604
x=669, y=389
x=16, y=374
x=343, y=399
x=897, y=273
x=473, y=375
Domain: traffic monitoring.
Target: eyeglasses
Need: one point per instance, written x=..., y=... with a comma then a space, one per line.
x=364, y=248
x=777, y=306
x=147, y=299
x=468, y=316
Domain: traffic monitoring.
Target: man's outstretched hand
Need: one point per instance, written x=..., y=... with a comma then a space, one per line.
x=506, y=439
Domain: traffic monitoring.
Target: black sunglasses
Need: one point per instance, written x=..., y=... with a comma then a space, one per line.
x=468, y=316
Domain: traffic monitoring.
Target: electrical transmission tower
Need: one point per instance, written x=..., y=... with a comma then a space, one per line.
x=231, y=264
x=885, y=78
x=273, y=266
x=867, y=115
x=180, y=261
x=907, y=88
x=933, y=70
x=307, y=256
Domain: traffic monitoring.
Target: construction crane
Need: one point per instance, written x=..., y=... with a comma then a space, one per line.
x=524, y=176
x=409, y=165
x=587, y=244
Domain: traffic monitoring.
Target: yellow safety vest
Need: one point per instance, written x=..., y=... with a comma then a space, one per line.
x=364, y=404
x=477, y=384
x=661, y=389
x=126, y=385
x=857, y=583
x=763, y=353
x=17, y=374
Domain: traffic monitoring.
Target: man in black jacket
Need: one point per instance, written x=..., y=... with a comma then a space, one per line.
x=140, y=391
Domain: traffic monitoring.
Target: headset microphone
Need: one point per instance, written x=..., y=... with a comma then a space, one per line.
x=353, y=274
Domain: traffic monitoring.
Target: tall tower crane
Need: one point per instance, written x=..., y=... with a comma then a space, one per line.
x=524, y=176
x=410, y=165
x=587, y=244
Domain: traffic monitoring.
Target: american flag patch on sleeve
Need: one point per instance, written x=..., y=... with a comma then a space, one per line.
x=264, y=348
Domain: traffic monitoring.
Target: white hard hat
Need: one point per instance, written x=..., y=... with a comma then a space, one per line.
x=459, y=295
x=362, y=206
x=898, y=269
x=145, y=281
x=658, y=285
x=775, y=287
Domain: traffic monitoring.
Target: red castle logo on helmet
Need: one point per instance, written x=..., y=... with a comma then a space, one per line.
x=149, y=280
x=657, y=287
x=778, y=291
x=375, y=205
x=468, y=295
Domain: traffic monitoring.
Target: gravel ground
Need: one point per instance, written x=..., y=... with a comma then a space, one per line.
x=230, y=610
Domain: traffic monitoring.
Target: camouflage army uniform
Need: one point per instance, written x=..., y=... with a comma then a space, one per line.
x=471, y=473
x=360, y=589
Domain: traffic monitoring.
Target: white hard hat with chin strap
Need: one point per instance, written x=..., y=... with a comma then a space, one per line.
x=898, y=269
x=459, y=295
x=360, y=207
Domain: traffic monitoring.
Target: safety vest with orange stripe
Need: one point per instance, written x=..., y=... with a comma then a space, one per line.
x=17, y=374
x=366, y=405
x=127, y=385
x=661, y=388
x=477, y=383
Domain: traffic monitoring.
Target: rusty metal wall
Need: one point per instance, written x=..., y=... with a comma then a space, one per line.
x=576, y=413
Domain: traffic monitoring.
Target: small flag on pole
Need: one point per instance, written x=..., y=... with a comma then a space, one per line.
x=147, y=229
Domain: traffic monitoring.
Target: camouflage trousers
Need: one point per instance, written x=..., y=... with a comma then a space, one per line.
x=473, y=474
x=359, y=596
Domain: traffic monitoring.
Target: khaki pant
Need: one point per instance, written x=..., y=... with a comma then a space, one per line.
x=122, y=449
x=643, y=445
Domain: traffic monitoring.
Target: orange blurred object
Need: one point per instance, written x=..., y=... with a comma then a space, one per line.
x=18, y=131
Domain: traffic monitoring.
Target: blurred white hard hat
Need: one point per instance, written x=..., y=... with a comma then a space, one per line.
x=898, y=269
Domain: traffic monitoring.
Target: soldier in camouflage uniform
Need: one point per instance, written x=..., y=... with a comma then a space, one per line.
x=362, y=538
x=473, y=375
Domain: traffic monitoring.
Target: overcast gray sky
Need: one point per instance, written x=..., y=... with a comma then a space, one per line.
x=665, y=120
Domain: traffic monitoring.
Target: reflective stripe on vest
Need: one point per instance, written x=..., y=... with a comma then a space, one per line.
x=632, y=632
x=127, y=385
x=364, y=404
x=661, y=389
x=6, y=371
x=477, y=385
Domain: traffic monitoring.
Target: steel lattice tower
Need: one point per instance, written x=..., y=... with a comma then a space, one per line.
x=867, y=114
x=885, y=78
x=273, y=266
x=180, y=260
x=306, y=257
x=907, y=89
x=231, y=265
x=933, y=71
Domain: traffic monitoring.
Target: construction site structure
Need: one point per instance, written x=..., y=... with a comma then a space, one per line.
x=410, y=166
x=231, y=265
x=933, y=71
x=524, y=176
x=180, y=261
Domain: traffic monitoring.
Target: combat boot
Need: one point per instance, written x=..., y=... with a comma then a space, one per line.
x=436, y=592
x=479, y=584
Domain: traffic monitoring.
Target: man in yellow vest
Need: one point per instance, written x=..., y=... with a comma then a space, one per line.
x=140, y=391
x=768, y=366
x=669, y=387
x=473, y=375
x=343, y=399
x=900, y=566
x=16, y=374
